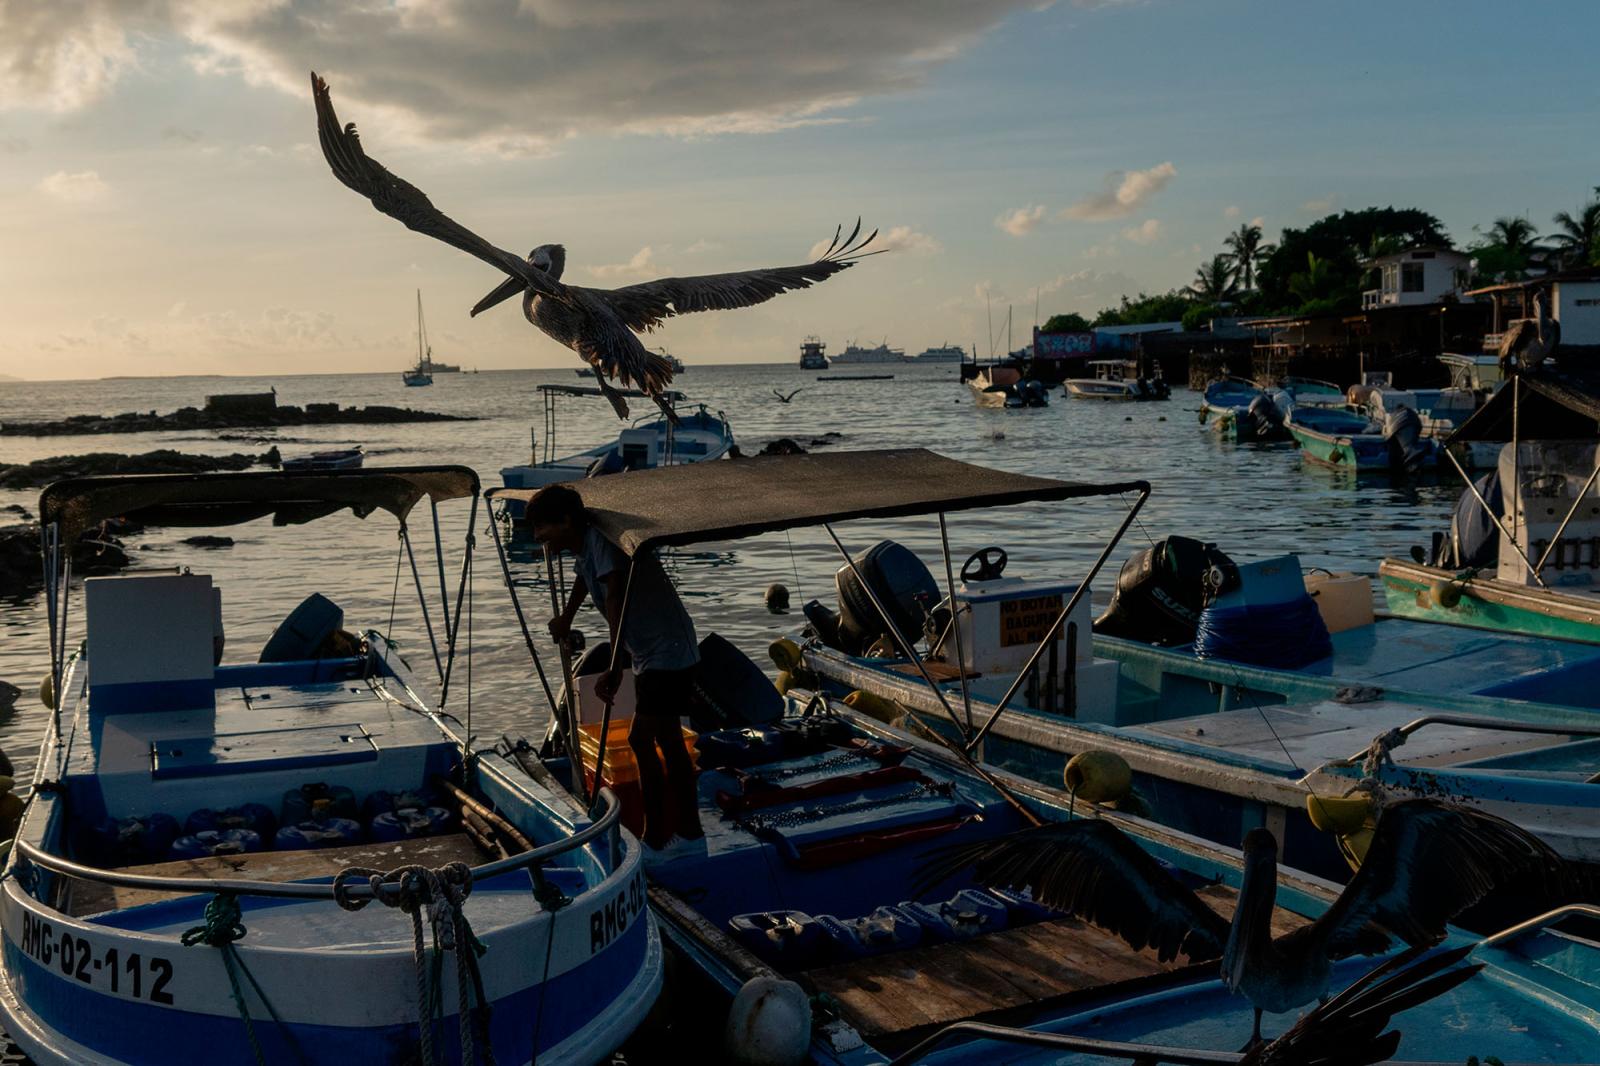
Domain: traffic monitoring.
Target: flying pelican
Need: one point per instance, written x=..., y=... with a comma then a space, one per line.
x=601, y=325
x=1428, y=861
x=785, y=399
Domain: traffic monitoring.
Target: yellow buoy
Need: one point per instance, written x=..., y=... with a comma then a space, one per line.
x=1354, y=847
x=873, y=705
x=785, y=654
x=1098, y=776
x=1339, y=814
x=47, y=692
x=1444, y=594
x=785, y=682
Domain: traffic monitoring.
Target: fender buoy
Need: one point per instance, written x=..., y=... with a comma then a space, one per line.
x=1445, y=594
x=873, y=705
x=1350, y=819
x=1098, y=776
x=47, y=692
x=785, y=654
x=769, y=1024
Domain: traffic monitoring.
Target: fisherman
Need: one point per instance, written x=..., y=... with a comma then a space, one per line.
x=658, y=636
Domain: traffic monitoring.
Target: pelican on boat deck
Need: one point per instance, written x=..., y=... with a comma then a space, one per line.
x=601, y=325
x=1428, y=862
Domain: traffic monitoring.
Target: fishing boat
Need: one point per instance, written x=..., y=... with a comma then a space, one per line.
x=1240, y=410
x=229, y=860
x=1521, y=552
x=649, y=442
x=332, y=459
x=1117, y=379
x=1310, y=392
x=420, y=374
x=811, y=354
x=1349, y=440
x=802, y=925
x=1002, y=385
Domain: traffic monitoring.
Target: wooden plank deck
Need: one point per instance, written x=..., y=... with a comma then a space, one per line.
x=94, y=897
x=913, y=990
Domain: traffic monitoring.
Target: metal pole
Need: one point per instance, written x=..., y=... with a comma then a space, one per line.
x=1516, y=459
x=422, y=600
x=894, y=631
x=438, y=553
x=570, y=720
x=522, y=620
x=1078, y=594
x=461, y=590
x=1532, y=570
x=955, y=620
x=616, y=650
x=1562, y=528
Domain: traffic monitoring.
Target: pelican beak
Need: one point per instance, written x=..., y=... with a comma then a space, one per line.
x=505, y=290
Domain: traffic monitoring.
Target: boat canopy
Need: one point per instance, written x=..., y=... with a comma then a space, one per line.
x=1537, y=406
x=81, y=504
x=696, y=502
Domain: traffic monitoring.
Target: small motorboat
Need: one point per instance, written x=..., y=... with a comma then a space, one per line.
x=1004, y=386
x=1350, y=440
x=1118, y=379
x=333, y=459
x=230, y=862
x=1311, y=392
x=1241, y=410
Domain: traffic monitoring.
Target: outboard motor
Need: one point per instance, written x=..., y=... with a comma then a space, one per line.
x=1402, y=430
x=1162, y=590
x=1474, y=539
x=902, y=584
x=1263, y=416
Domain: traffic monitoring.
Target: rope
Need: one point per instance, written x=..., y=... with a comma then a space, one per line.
x=222, y=927
x=442, y=893
x=1378, y=752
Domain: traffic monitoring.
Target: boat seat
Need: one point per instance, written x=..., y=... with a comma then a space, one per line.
x=93, y=897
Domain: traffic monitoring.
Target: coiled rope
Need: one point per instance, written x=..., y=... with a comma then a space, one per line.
x=442, y=894
x=223, y=926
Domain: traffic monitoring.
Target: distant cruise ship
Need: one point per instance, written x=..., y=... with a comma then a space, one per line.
x=854, y=353
x=948, y=353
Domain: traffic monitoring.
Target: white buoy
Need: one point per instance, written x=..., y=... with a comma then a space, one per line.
x=769, y=1023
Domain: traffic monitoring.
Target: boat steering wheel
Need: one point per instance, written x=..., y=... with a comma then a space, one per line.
x=985, y=564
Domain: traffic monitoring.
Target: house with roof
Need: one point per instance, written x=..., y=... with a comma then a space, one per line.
x=1416, y=276
x=1571, y=297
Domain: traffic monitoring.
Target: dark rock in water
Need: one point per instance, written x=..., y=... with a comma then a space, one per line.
x=20, y=572
x=208, y=540
x=777, y=598
x=830, y=437
x=43, y=472
x=18, y=510
x=783, y=446
x=225, y=416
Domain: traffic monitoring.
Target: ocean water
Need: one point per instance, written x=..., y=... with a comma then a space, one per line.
x=1252, y=500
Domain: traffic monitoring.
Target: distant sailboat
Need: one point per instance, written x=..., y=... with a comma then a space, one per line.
x=421, y=374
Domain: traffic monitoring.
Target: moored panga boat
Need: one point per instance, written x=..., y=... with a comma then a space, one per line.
x=233, y=862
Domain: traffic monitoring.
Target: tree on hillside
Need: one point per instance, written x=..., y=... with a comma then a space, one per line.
x=1244, y=251
x=1315, y=282
x=1505, y=249
x=1162, y=307
x=1071, y=322
x=1578, y=236
x=1214, y=281
x=1342, y=240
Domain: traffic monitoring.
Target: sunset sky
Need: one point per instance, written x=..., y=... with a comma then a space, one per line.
x=164, y=208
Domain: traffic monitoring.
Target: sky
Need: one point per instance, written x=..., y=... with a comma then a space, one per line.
x=164, y=208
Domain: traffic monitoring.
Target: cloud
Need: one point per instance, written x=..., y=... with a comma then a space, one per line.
x=79, y=187
x=1259, y=222
x=513, y=76
x=1145, y=232
x=642, y=265
x=1125, y=191
x=1231, y=211
x=906, y=239
x=179, y=133
x=1021, y=221
x=1320, y=206
x=702, y=245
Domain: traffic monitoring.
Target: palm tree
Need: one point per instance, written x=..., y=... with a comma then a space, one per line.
x=1313, y=282
x=1579, y=236
x=1516, y=235
x=1214, y=281
x=1246, y=250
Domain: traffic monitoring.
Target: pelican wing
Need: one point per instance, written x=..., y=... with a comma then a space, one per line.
x=643, y=306
x=1429, y=861
x=1092, y=870
x=404, y=202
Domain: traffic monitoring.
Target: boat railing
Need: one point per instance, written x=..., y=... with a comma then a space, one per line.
x=1384, y=742
x=1533, y=925
x=606, y=825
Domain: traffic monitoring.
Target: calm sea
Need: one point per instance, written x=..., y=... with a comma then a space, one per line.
x=1252, y=500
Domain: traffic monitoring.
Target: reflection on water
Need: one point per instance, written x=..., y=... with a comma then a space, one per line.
x=1253, y=500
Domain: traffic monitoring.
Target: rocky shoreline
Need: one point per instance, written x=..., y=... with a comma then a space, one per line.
x=222, y=417
x=42, y=472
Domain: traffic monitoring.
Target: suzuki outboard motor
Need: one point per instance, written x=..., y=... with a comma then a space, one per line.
x=1402, y=430
x=902, y=584
x=1162, y=590
x=1263, y=417
x=1474, y=539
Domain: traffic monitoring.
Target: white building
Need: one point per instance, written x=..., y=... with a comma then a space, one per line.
x=1571, y=297
x=1421, y=275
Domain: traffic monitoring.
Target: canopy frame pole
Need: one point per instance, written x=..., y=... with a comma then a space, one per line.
x=50, y=551
x=438, y=553
x=1533, y=571
x=422, y=599
x=1061, y=619
x=906, y=647
x=569, y=718
x=461, y=591
x=1562, y=528
x=522, y=620
x=616, y=650
x=955, y=620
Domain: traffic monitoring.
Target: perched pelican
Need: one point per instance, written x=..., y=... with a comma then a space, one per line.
x=601, y=325
x=785, y=399
x=1528, y=342
x=1428, y=862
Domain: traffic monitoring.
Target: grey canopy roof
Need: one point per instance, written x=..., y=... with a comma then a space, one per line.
x=727, y=499
x=82, y=504
x=1547, y=407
